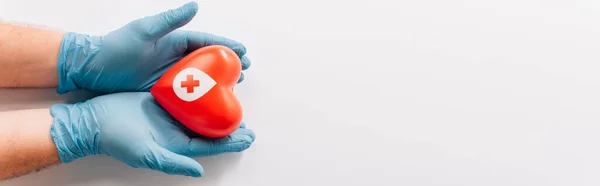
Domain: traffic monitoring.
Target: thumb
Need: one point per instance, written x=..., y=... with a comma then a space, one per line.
x=161, y=159
x=158, y=25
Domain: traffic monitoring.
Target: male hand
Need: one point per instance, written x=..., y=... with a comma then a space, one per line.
x=133, y=57
x=133, y=128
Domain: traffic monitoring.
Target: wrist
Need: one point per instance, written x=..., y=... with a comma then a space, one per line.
x=76, y=50
x=73, y=131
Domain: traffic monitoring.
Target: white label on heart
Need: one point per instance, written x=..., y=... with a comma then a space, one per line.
x=191, y=84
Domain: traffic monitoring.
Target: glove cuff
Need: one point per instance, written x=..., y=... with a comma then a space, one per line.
x=71, y=131
x=76, y=50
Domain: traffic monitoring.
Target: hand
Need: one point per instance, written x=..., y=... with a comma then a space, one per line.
x=133, y=128
x=133, y=57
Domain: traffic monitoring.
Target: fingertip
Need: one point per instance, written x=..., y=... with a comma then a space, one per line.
x=165, y=22
x=237, y=47
x=166, y=161
x=252, y=136
x=198, y=40
x=192, y=169
x=190, y=7
x=197, y=172
x=240, y=48
x=188, y=167
x=232, y=44
x=248, y=140
x=246, y=63
x=185, y=13
x=246, y=135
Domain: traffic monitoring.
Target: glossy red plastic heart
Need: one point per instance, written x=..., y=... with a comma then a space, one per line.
x=198, y=91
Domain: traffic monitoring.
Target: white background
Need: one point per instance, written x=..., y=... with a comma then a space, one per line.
x=419, y=93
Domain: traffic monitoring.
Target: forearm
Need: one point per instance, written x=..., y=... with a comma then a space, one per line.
x=25, y=142
x=28, y=56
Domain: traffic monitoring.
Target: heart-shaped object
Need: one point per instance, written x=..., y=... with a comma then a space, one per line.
x=198, y=91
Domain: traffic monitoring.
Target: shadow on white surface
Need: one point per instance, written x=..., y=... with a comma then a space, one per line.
x=103, y=170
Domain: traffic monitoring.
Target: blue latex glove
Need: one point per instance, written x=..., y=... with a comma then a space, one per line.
x=133, y=57
x=133, y=128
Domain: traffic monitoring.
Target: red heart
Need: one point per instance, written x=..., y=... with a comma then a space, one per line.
x=198, y=91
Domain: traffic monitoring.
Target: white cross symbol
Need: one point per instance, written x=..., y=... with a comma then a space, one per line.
x=191, y=84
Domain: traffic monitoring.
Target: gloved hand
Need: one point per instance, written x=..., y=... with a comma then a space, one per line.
x=133, y=57
x=134, y=129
